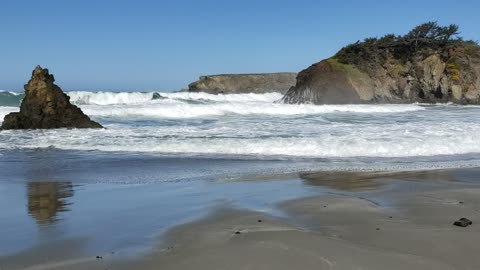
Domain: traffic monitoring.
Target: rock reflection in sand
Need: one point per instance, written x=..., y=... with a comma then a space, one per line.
x=47, y=199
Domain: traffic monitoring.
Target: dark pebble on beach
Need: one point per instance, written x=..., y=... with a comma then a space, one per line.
x=463, y=222
x=259, y=220
x=378, y=229
x=237, y=232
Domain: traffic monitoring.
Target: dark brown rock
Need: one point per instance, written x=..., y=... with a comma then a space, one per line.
x=45, y=106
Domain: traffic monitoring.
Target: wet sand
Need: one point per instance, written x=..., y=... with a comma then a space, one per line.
x=361, y=221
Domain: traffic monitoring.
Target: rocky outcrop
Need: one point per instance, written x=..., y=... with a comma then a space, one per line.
x=45, y=106
x=423, y=66
x=244, y=83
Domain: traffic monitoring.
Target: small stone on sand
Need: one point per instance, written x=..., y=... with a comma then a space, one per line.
x=463, y=222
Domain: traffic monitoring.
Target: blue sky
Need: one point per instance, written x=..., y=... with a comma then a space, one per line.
x=164, y=45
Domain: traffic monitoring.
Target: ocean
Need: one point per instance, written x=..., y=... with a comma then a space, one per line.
x=256, y=126
x=180, y=155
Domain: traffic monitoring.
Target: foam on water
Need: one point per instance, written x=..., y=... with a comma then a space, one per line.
x=168, y=109
x=4, y=110
x=255, y=126
x=112, y=98
x=337, y=141
x=11, y=92
x=198, y=105
x=109, y=98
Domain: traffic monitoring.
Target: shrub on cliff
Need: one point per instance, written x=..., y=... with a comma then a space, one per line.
x=424, y=39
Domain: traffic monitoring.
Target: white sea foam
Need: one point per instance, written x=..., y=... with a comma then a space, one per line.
x=109, y=98
x=250, y=97
x=254, y=125
x=320, y=141
x=11, y=92
x=6, y=110
x=197, y=105
x=185, y=110
x=112, y=98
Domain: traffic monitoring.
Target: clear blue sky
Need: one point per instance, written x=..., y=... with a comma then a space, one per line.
x=164, y=45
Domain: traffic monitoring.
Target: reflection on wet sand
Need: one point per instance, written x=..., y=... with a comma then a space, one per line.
x=346, y=181
x=364, y=181
x=47, y=199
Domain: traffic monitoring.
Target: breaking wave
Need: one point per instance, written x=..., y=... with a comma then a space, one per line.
x=124, y=98
x=255, y=125
x=8, y=98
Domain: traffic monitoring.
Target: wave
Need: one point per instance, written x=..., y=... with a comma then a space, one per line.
x=188, y=110
x=184, y=105
x=329, y=140
x=8, y=98
x=253, y=125
x=198, y=105
x=4, y=110
x=109, y=98
x=321, y=147
x=125, y=98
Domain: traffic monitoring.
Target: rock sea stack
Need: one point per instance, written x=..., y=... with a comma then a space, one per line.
x=46, y=106
x=430, y=64
x=244, y=83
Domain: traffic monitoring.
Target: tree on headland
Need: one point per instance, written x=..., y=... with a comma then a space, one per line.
x=431, y=33
x=423, y=39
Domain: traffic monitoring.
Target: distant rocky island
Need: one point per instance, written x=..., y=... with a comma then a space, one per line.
x=429, y=64
x=45, y=106
x=244, y=83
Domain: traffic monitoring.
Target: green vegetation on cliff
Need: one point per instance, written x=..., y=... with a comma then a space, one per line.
x=350, y=70
x=423, y=40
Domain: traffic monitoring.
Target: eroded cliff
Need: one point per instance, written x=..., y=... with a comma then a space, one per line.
x=430, y=64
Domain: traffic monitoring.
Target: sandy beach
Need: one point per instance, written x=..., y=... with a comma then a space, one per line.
x=362, y=221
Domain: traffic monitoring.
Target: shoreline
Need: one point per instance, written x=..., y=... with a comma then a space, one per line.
x=374, y=221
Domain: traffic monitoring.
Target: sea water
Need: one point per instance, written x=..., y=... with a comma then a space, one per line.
x=256, y=126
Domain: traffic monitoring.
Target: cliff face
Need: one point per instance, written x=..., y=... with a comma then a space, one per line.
x=394, y=70
x=244, y=83
x=45, y=106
